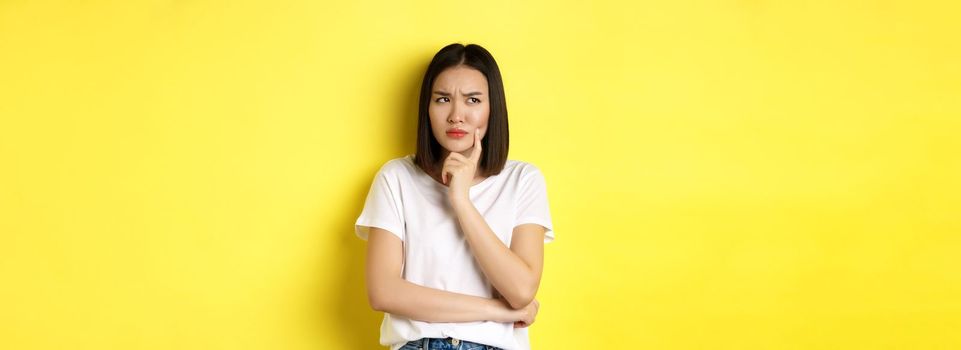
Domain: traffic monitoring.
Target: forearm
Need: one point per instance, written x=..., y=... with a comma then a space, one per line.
x=506, y=271
x=427, y=304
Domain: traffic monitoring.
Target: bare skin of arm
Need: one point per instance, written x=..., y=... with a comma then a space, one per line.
x=515, y=272
x=387, y=291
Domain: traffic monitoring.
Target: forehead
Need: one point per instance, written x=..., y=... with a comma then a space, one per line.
x=461, y=78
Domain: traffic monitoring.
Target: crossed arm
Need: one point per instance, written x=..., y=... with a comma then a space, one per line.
x=514, y=273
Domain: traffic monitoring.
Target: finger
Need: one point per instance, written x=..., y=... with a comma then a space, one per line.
x=456, y=157
x=475, y=155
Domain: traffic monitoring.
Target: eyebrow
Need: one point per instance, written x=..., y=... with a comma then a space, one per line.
x=443, y=93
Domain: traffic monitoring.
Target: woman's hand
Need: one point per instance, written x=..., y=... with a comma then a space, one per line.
x=521, y=318
x=527, y=314
x=459, y=171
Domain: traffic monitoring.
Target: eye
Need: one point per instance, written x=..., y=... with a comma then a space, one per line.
x=473, y=100
x=442, y=99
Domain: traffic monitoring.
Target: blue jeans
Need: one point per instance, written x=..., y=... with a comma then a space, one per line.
x=445, y=344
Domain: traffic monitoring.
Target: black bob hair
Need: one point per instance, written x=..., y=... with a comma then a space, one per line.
x=497, y=139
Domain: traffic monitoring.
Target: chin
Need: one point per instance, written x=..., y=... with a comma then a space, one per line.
x=454, y=146
x=456, y=149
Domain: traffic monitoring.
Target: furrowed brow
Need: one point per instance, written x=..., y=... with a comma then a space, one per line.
x=444, y=93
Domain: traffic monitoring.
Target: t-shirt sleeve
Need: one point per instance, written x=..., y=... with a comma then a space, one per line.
x=382, y=209
x=532, y=206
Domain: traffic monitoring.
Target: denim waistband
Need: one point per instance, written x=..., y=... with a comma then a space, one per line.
x=446, y=344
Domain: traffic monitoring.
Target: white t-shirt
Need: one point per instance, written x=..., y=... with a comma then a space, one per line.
x=406, y=201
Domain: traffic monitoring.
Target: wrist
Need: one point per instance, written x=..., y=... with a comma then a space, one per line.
x=459, y=200
x=500, y=311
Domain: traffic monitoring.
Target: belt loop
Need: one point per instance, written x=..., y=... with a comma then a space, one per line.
x=426, y=344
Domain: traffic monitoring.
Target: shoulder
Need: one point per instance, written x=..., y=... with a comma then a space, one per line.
x=397, y=167
x=521, y=170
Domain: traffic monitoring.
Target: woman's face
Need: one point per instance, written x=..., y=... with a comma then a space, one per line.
x=459, y=106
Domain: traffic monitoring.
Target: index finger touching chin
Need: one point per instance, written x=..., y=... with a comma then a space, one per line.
x=477, y=143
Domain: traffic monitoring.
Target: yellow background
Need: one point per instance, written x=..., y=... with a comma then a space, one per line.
x=722, y=174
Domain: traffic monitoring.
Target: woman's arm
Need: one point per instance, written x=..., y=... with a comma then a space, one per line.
x=388, y=292
x=516, y=271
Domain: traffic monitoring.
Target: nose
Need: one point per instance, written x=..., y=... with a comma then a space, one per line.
x=455, y=116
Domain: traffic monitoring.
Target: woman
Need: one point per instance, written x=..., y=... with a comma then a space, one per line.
x=456, y=232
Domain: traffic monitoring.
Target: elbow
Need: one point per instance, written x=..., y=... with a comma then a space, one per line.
x=521, y=298
x=377, y=302
x=378, y=307
x=379, y=297
x=518, y=304
x=381, y=293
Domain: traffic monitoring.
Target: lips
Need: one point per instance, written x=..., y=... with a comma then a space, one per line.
x=456, y=132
